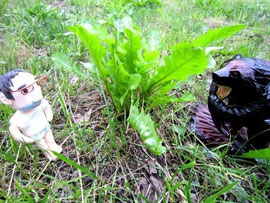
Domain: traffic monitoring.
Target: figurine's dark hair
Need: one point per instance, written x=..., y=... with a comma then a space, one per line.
x=6, y=83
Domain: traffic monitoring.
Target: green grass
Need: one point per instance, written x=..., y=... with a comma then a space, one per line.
x=85, y=123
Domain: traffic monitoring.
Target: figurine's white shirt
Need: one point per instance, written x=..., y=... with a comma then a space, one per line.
x=31, y=122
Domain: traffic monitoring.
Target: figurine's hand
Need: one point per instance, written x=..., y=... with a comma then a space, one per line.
x=47, y=110
x=49, y=116
x=18, y=136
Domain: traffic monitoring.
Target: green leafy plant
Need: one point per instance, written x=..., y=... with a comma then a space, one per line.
x=145, y=126
x=257, y=154
x=74, y=164
x=222, y=191
x=150, y=3
x=43, y=24
x=133, y=71
x=3, y=3
x=129, y=70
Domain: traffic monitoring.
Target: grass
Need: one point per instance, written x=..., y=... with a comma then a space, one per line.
x=85, y=124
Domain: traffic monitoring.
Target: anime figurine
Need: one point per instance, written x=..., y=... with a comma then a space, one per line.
x=30, y=124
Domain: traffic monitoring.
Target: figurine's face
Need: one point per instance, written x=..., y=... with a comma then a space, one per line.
x=26, y=92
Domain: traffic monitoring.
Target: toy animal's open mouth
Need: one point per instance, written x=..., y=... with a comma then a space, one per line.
x=223, y=91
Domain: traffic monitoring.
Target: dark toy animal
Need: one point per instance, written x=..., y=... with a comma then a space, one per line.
x=239, y=103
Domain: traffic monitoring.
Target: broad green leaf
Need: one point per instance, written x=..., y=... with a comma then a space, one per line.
x=150, y=56
x=123, y=82
x=162, y=100
x=91, y=39
x=131, y=47
x=145, y=64
x=257, y=154
x=185, y=60
x=226, y=189
x=156, y=101
x=74, y=164
x=145, y=127
x=187, y=97
x=63, y=61
x=217, y=34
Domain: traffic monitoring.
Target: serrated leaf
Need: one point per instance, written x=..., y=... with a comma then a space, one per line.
x=63, y=61
x=163, y=89
x=150, y=56
x=162, y=100
x=131, y=48
x=145, y=127
x=156, y=101
x=91, y=40
x=217, y=34
x=122, y=83
x=257, y=154
x=224, y=190
x=187, y=97
x=185, y=60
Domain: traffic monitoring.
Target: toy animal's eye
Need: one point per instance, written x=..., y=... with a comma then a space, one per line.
x=234, y=74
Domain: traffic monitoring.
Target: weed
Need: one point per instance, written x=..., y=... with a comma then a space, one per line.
x=131, y=73
x=85, y=120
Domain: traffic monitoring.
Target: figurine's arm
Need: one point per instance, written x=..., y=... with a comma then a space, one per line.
x=47, y=110
x=18, y=136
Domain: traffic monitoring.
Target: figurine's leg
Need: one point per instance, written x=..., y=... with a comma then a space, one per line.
x=51, y=142
x=46, y=150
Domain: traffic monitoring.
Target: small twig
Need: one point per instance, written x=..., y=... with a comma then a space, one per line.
x=13, y=171
x=77, y=152
x=178, y=192
x=132, y=175
x=80, y=173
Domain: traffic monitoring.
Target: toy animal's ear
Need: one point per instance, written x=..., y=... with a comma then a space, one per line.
x=5, y=100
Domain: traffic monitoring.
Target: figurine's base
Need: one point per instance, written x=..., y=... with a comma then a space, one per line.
x=205, y=129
